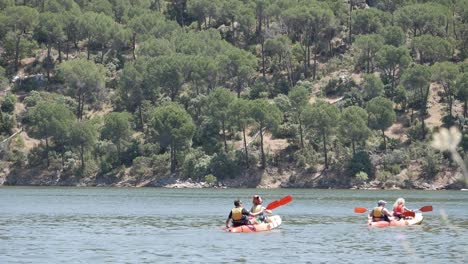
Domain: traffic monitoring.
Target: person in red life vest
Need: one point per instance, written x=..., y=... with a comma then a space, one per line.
x=399, y=208
x=380, y=213
x=239, y=215
x=258, y=210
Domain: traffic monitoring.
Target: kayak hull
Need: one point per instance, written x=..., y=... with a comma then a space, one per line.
x=273, y=222
x=416, y=220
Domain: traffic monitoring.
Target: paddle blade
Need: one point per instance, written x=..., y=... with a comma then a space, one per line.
x=427, y=208
x=408, y=214
x=360, y=210
x=278, y=203
x=272, y=205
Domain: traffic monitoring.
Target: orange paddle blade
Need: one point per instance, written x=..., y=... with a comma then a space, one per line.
x=360, y=210
x=427, y=208
x=278, y=203
x=408, y=214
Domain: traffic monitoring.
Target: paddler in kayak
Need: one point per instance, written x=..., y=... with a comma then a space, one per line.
x=239, y=215
x=258, y=209
x=380, y=213
x=399, y=208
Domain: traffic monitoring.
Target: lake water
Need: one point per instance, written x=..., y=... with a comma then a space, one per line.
x=152, y=225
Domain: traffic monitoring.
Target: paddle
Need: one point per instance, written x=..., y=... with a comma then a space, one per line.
x=427, y=208
x=277, y=203
x=360, y=210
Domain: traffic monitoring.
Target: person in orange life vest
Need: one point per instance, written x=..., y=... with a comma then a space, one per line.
x=239, y=215
x=399, y=208
x=258, y=210
x=380, y=213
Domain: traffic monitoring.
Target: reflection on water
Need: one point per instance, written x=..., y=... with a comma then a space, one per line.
x=93, y=225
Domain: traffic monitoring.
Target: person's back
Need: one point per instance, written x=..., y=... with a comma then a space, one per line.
x=380, y=213
x=238, y=215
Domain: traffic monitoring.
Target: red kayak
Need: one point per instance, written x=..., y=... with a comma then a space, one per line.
x=416, y=220
x=273, y=222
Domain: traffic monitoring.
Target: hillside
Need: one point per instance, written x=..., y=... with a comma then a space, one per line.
x=269, y=94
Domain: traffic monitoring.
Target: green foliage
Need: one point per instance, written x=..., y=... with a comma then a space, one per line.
x=431, y=163
x=360, y=163
x=173, y=128
x=394, y=36
x=8, y=103
x=223, y=166
x=337, y=87
x=196, y=165
x=210, y=179
x=362, y=176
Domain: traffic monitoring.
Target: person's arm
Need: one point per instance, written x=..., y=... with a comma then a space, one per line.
x=266, y=210
x=228, y=219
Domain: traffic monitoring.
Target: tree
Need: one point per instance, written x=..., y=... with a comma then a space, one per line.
x=84, y=80
x=381, y=115
x=368, y=21
x=432, y=49
x=322, y=118
x=117, y=129
x=240, y=119
x=83, y=136
x=416, y=82
x=239, y=67
x=353, y=125
x=425, y=18
x=393, y=35
x=446, y=74
x=373, y=86
x=51, y=26
x=299, y=98
x=49, y=121
x=392, y=61
x=368, y=46
x=20, y=20
x=267, y=116
x=218, y=107
x=173, y=128
x=462, y=91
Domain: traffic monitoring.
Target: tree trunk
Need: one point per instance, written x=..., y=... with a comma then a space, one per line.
x=245, y=147
x=17, y=44
x=47, y=150
x=224, y=135
x=82, y=156
x=261, y=147
x=263, y=58
x=325, y=151
x=384, y=139
x=301, y=135
x=173, y=158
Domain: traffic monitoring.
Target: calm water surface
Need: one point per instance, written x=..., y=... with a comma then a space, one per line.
x=150, y=225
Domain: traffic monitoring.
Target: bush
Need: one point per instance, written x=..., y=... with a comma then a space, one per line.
x=362, y=176
x=210, y=179
x=8, y=103
x=195, y=165
x=360, y=163
x=431, y=164
x=223, y=166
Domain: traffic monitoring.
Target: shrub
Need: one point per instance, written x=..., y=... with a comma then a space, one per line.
x=223, y=166
x=362, y=176
x=8, y=103
x=360, y=163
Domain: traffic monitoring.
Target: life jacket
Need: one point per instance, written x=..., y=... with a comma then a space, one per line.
x=238, y=218
x=398, y=210
x=256, y=208
x=237, y=214
x=377, y=214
